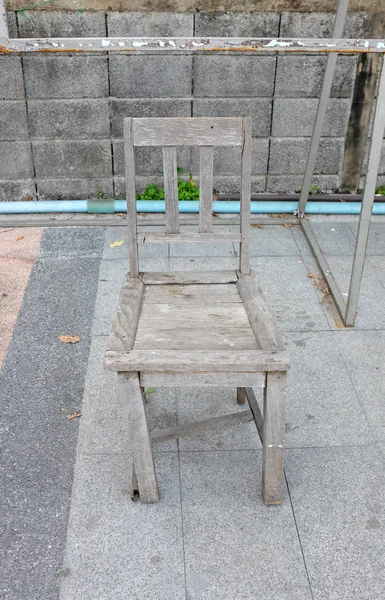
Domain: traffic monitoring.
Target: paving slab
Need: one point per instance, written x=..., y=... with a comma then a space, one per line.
x=376, y=241
x=372, y=293
x=235, y=546
x=209, y=263
x=196, y=404
x=290, y=293
x=323, y=408
x=337, y=500
x=334, y=237
x=272, y=240
x=363, y=354
x=117, y=548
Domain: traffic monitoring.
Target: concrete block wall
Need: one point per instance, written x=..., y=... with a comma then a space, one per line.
x=61, y=116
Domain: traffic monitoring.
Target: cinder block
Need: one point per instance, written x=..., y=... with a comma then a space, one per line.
x=73, y=159
x=12, y=25
x=150, y=24
x=288, y=184
x=66, y=76
x=13, y=120
x=227, y=160
x=148, y=161
x=11, y=78
x=289, y=155
x=14, y=191
x=72, y=119
x=236, y=24
x=295, y=117
x=259, y=109
x=302, y=76
x=318, y=25
x=232, y=185
x=16, y=160
x=233, y=76
x=75, y=189
x=61, y=24
x=150, y=76
x=160, y=107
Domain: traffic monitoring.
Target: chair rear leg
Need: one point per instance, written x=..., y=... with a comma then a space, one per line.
x=273, y=437
x=241, y=396
x=144, y=467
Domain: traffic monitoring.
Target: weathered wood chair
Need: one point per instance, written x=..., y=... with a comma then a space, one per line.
x=196, y=328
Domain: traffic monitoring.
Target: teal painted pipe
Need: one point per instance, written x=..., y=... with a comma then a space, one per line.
x=157, y=206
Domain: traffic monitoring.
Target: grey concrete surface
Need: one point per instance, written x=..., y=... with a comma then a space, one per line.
x=42, y=382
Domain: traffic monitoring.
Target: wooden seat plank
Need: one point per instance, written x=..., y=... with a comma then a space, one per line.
x=175, y=361
x=175, y=316
x=202, y=338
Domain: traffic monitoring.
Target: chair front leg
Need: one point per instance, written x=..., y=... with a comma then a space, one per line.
x=273, y=437
x=143, y=458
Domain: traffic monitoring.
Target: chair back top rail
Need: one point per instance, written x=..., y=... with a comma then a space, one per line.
x=204, y=132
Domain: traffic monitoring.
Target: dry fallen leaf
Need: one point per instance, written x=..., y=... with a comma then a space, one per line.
x=74, y=416
x=288, y=225
x=117, y=244
x=69, y=339
x=19, y=238
x=258, y=226
x=311, y=275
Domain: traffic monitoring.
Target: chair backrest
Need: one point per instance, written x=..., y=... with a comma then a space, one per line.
x=205, y=132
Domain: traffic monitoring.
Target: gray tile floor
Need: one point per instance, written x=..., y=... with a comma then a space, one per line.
x=211, y=537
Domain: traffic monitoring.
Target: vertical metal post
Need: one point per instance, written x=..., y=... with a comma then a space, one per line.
x=3, y=21
x=322, y=107
x=367, y=202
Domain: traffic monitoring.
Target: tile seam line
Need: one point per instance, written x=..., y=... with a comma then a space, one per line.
x=358, y=396
x=299, y=538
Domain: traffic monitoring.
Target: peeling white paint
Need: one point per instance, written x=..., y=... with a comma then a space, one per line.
x=161, y=44
x=55, y=44
x=80, y=44
x=271, y=44
x=274, y=446
x=172, y=43
x=105, y=43
x=366, y=44
x=331, y=45
x=197, y=44
x=300, y=43
x=139, y=44
x=380, y=45
x=122, y=44
x=274, y=43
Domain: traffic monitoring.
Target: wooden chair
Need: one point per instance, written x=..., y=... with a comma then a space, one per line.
x=196, y=328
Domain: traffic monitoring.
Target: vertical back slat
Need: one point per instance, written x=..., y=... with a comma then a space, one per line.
x=129, y=160
x=206, y=189
x=171, y=189
x=245, y=197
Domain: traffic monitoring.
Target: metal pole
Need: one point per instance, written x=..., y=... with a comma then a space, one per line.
x=367, y=202
x=322, y=107
x=3, y=21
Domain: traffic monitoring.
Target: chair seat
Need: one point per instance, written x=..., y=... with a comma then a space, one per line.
x=182, y=327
